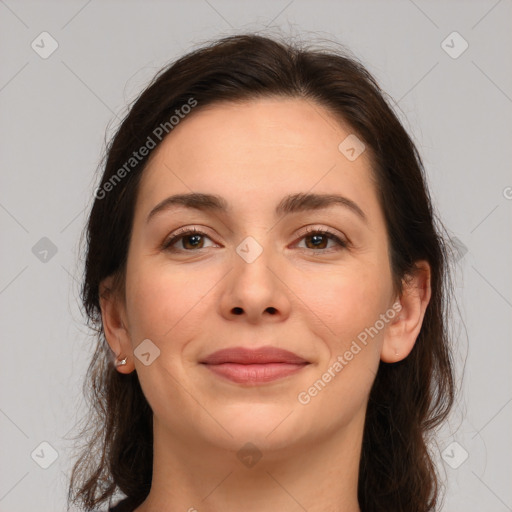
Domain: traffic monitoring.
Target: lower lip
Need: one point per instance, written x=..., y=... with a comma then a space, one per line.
x=255, y=373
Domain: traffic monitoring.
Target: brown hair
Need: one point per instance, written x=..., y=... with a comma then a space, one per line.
x=408, y=399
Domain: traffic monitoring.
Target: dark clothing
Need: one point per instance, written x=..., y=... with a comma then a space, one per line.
x=123, y=506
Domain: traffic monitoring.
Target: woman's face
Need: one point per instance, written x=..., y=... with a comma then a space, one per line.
x=255, y=277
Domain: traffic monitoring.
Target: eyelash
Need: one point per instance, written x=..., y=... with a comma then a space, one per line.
x=309, y=231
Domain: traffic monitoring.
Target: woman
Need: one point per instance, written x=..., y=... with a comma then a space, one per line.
x=269, y=289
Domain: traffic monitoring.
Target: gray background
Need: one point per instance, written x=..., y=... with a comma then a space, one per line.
x=56, y=111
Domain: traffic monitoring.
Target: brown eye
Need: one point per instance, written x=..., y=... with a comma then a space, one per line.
x=318, y=240
x=190, y=239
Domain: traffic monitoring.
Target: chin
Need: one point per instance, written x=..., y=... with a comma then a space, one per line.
x=267, y=427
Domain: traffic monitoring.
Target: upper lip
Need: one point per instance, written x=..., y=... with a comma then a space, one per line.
x=261, y=355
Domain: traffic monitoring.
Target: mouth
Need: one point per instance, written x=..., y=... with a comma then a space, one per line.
x=254, y=366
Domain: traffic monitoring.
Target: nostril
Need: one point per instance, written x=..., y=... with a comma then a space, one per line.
x=239, y=311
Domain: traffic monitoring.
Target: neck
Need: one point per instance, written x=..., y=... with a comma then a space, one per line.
x=320, y=475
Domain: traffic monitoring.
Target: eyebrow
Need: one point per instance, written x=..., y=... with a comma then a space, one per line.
x=290, y=204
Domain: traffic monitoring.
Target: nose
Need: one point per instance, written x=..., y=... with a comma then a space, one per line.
x=255, y=290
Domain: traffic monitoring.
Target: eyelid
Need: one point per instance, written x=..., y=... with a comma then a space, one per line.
x=316, y=228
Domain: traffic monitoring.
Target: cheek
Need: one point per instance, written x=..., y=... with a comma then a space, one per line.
x=345, y=300
x=161, y=298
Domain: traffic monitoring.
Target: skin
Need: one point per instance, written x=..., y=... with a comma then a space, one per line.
x=253, y=154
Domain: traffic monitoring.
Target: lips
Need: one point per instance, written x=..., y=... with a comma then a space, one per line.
x=262, y=355
x=254, y=366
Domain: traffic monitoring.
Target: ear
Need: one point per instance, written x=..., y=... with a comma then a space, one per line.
x=113, y=316
x=403, y=331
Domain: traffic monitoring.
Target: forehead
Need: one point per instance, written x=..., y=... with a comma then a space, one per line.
x=253, y=150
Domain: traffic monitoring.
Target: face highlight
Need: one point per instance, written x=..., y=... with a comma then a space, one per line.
x=252, y=229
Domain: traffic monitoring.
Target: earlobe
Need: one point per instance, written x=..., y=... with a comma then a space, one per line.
x=402, y=333
x=116, y=333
